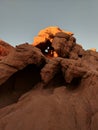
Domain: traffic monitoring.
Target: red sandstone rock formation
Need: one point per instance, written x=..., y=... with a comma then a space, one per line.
x=41, y=91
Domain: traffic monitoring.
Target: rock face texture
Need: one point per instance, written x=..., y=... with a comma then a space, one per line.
x=49, y=85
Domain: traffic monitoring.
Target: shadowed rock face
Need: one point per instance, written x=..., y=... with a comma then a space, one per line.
x=19, y=83
x=50, y=85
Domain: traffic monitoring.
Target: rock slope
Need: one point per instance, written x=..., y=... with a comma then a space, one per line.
x=51, y=84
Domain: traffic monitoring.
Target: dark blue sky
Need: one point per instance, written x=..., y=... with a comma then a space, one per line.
x=21, y=20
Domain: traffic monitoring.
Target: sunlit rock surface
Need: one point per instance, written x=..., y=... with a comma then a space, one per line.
x=49, y=85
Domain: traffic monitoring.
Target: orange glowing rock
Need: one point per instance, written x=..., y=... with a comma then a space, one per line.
x=55, y=54
x=48, y=34
x=93, y=49
x=45, y=39
x=38, y=39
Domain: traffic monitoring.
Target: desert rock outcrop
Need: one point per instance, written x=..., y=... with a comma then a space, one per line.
x=41, y=91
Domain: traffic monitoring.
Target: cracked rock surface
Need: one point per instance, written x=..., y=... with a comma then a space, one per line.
x=49, y=85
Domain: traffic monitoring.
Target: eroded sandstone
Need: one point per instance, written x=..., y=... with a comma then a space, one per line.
x=41, y=91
